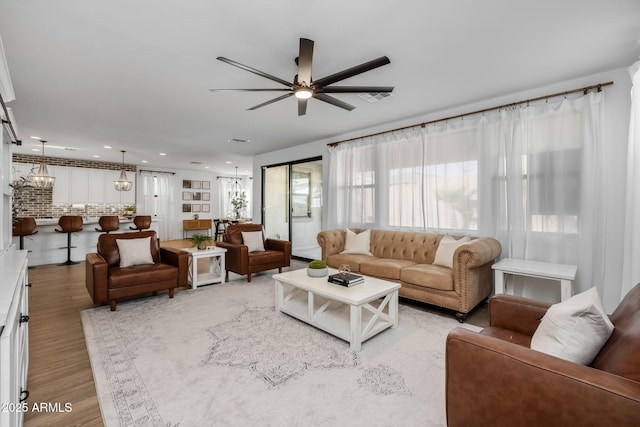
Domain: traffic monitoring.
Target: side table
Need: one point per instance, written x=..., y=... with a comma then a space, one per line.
x=565, y=273
x=216, y=271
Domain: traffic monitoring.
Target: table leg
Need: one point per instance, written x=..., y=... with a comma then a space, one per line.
x=565, y=289
x=279, y=296
x=194, y=272
x=356, y=327
x=393, y=309
x=499, y=282
x=222, y=268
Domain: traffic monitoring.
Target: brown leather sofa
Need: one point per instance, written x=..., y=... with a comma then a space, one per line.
x=107, y=282
x=495, y=379
x=277, y=253
x=408, y=258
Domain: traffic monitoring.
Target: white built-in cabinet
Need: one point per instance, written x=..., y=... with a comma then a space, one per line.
x=14, y=336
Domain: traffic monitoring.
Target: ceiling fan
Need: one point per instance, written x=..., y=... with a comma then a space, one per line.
x=304, y=87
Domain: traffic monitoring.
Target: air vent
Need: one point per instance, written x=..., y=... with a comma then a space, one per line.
x=196, y=163
x=239, y=141
x=374, y=97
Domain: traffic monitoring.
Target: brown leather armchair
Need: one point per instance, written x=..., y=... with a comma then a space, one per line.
x=494, y=379
x=107, y=282
x=277, y=253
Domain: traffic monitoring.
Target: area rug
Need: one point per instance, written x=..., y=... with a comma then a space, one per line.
x=219, y=355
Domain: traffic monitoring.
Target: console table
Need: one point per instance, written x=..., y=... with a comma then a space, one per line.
x=564, y=273
x=196, y=225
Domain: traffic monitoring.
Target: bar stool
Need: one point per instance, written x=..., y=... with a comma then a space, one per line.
x=220, y=229
x=69, y=224
x=24, y=227
x=108, y=223
x=141, y=222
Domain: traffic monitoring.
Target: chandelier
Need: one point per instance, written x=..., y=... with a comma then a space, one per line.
x=42, y=179
x=122, y=184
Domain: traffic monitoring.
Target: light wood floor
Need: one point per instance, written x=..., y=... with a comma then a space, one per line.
x=59, y=367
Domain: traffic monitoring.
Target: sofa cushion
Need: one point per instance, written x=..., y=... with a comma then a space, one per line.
x=429, y=276
x=336, y=260
x=253, y=240
x=384, y=268
x=446, y=248
x=575, y=329
x=134, y=251
x=357, y=243
x=122, y=277
x=266, y=257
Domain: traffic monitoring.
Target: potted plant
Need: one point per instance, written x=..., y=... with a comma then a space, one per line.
x=317, y=268
x=239, y=203
x=129, y=211
x=200, y=240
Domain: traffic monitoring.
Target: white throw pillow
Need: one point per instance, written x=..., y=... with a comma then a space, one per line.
x=134, y=251
x=575, y=329
x=357, y=243
x=446, y=249
x=253, y=239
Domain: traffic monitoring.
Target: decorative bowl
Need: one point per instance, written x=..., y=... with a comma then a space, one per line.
x=317, y=272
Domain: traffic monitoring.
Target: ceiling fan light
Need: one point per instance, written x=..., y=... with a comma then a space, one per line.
x=304, y=93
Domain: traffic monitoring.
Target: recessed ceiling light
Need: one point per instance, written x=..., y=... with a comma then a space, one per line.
x=143, y=161
x=36, y=137
x=96, y=156
x=35, y=149
x=162, y=154
x=206, y=167
x=106, y=146
x=228, y=162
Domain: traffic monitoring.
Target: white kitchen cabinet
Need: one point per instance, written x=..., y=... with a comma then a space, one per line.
x=62, y=186
x=79, y=185
x=14, y=337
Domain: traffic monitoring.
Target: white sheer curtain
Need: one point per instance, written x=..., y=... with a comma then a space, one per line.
x=156, y=198
x=631, y=266
x=531, y=176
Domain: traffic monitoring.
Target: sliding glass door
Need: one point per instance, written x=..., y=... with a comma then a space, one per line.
x=292, y=205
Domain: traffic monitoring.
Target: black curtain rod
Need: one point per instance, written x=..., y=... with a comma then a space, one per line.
x=584, y=90
x=8, y=123
x=229, y=177
x=147, y=170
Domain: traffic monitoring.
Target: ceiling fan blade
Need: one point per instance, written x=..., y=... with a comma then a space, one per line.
x=353, y=71
x=305, y=58
x=280, y=98
x=249, y=90
x=302, y=107
x=333, y=101
x=355, y=89
x=254, y=71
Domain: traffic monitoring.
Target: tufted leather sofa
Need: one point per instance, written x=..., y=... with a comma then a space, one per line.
x=107, y=282
x=407, y=258
x=495, y=379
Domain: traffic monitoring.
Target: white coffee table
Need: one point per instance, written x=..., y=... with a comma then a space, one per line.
x=216, y=271
x=353, y=314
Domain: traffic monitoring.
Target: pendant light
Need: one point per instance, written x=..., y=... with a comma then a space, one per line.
x=42, y=179
x=122, y=184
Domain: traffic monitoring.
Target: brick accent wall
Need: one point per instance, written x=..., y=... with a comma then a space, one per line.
x=72, y=163
x=38, y=202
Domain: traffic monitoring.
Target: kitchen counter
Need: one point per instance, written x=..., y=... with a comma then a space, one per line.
x=50, y=247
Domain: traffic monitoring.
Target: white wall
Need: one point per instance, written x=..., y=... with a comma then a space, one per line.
x=617, y=104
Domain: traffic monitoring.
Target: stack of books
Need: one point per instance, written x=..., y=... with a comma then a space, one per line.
x=345, y=279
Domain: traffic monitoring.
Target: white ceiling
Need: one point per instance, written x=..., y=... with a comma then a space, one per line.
x=135, y=74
